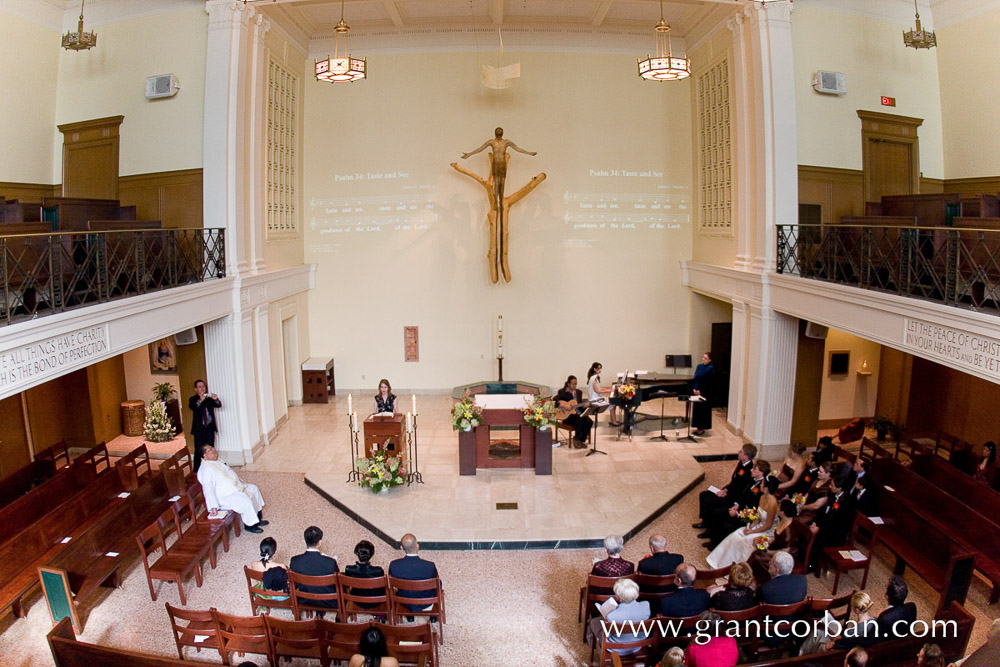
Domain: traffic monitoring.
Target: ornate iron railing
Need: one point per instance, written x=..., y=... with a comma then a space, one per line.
x=45, y=274
x=954, y=266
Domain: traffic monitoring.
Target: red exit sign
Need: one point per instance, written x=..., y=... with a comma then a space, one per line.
x=888, y=101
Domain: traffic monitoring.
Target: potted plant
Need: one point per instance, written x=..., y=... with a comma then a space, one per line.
x=166, y=394
x=883, y=426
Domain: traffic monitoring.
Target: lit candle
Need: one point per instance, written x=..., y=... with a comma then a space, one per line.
x=350, y=404
x=409, y=423
x=414, y=398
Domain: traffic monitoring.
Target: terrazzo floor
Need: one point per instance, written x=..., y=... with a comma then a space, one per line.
x=504, y=607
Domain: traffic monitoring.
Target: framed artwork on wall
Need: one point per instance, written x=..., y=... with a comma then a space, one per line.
x=163, y=357
x=411, y=344
x=840, y=361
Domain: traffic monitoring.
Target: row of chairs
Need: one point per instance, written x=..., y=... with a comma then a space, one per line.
x=384, y=597
x=753, y=646
x=316, y=639
x=195, y=537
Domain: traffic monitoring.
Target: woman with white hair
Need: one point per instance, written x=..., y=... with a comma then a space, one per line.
x=614, y=565
x=629, y=608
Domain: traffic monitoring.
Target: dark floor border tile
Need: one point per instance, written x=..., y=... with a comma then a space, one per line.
x=713, y=458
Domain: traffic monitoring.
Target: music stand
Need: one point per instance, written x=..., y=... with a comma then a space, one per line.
x=661, y=394
x=595, y=410
x=688, y=400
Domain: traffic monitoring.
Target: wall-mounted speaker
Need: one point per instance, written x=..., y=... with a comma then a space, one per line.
x=814, y=330
x=186, y=337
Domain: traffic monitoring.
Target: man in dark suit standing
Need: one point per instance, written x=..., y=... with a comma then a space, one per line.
x=709, y=501
x=895, y=620
x=659, y=563
x=203, y=425
x=314, y=563
x=686, y=601
x=411, y=566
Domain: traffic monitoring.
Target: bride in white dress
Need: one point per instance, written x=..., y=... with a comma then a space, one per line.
x=738, y=545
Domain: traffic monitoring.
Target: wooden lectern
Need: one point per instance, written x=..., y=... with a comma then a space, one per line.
x=380, y=429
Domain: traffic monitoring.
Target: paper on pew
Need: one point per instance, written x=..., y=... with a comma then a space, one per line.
x=714, y=489
x=402, y=643
x=889, y=489
x=124, y=494
x=201, y=638
x=642, y=373
x=846, y=555
x=877, y=520
x=112, y=554
x=857, y=556
x=173, y=499
x=65, y=540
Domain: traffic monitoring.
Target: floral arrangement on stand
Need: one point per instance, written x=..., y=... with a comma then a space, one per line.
x=380, y=472
x=466, y=415
x=799, y=499
x=157, y=427
x=540, y=413
x=748, y=515
x=761, y=542
x=626, y=391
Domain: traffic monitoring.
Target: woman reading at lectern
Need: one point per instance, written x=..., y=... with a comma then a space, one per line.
x=385, y=400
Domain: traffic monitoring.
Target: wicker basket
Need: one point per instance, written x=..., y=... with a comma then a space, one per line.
x=133, y=417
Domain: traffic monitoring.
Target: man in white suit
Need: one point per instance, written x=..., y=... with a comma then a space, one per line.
x=224, y=490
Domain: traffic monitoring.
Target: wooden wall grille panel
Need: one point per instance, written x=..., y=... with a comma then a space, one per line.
x=282, y=156
x=715, y=150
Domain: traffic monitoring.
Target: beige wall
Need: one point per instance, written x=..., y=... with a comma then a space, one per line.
x=296, y=307
x=871, y=53
x=29, y=65
x=844, y=397
x=157, y=135
x=419, y=114
x=968, y=56
x=138, y=380
x=705, y=311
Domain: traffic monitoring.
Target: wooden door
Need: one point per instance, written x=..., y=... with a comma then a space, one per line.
x=14, y=451
x=90, y=158
x=890, y=154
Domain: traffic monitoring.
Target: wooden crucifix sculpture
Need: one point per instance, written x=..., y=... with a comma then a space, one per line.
x=499, y=205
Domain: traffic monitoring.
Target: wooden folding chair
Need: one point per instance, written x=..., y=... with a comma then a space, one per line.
x=342, y=640
x=364, y=596
x=197, y=498
x=411, y=644
x=168, y=567
x=261, y=597
x=685, y=625
x=296, y=639
x=842, y=564
x=209, y=532
x=706, y=578
x=595, y=591
x=805, y=539
x=193, y=628
x=58, y=454
x=651, y=586
x=312, y=601
x=771, y=645
x=189, y=544
x=610, y=656
x=427, y=594
x=741, y=617
x=839, y=608
x=241, y=635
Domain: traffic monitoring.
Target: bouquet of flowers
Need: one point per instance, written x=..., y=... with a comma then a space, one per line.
x=761, y=542
x=540, y=413
x=626, y=391
x=381, y=471
x=799, y=499
x=466, y=415
x=748, y=515
x=157, y=427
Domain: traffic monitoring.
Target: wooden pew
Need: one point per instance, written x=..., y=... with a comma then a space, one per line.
x=946, y=477
x=70, y=214
x=75, y=573
x=981, y=206
x=23, y=480
x=17, y=211
x=68, y=652
x=929, y=209
x=920, y=537
x=179, y=471
x=134, y=468
x=57, y=453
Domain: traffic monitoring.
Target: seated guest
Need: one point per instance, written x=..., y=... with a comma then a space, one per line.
x=864, y=496
x=629, y=608
x=674, y=657
x=738, y=545
x=275, y=575
x=930, y=656
x=784, y=537
x=738, y=593
x=858, y=470
x=411, y=566
x=833, y=522
x=709, y=501
x=567, y=400
x=614, y=565
x=726, y=520
x=385, y=400
x=719, y=650
x=783, y=587
x=224, y=491
x=856, y=657
x=986, y=471
x=372, y=651
x=314, y=563
x=807, y=478
x=818, y=493
x=687, y=600
x=865, y=633
x=791, y=468
x=363, y=569
x=895, y=620
x=660, y=563
x=824, y=451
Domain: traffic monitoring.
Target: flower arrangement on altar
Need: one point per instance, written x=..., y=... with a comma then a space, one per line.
x=799, y=499
x=157, y=427
x=626, y=391
x=761, y=542
x=540, y=413
x=380, y=471
x=748, y=515
x=466, y=415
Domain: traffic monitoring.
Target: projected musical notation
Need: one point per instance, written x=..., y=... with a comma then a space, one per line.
x=374, y=213
x=617, y=210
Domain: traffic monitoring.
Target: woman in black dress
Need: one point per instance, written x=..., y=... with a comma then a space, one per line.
x=363, y=569
x=701, y=385
x=385, y=400
x=275, y=575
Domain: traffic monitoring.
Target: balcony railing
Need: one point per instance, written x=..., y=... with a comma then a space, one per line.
x=954, y=266
x=45, y=274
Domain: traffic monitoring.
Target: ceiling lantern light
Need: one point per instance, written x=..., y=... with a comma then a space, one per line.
x=81, y=40
x=918, y=38
x=341, y=66
x=664, y=66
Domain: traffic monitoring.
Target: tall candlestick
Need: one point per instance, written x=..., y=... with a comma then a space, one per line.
x=350, y=403
x=414, y=397
x=500, y=323
x=409, y=423
x=354, y=421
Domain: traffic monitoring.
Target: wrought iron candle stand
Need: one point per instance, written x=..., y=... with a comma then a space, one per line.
x=355, y=474
x=411, y=448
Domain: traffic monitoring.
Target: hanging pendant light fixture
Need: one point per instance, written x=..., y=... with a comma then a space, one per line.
x=80, y=40
x=664, y=66
x=918, y=38
x=341, y=66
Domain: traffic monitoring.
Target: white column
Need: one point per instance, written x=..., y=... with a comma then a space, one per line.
x=738, y=368
x=265, y=393
x=744, y=174
x=772, y=354
x=777, y=159
x=224, y=169
x=229, y=363
x=257, y=143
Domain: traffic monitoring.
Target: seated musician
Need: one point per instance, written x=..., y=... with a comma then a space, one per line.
x=568, y=399
x=385, y=400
